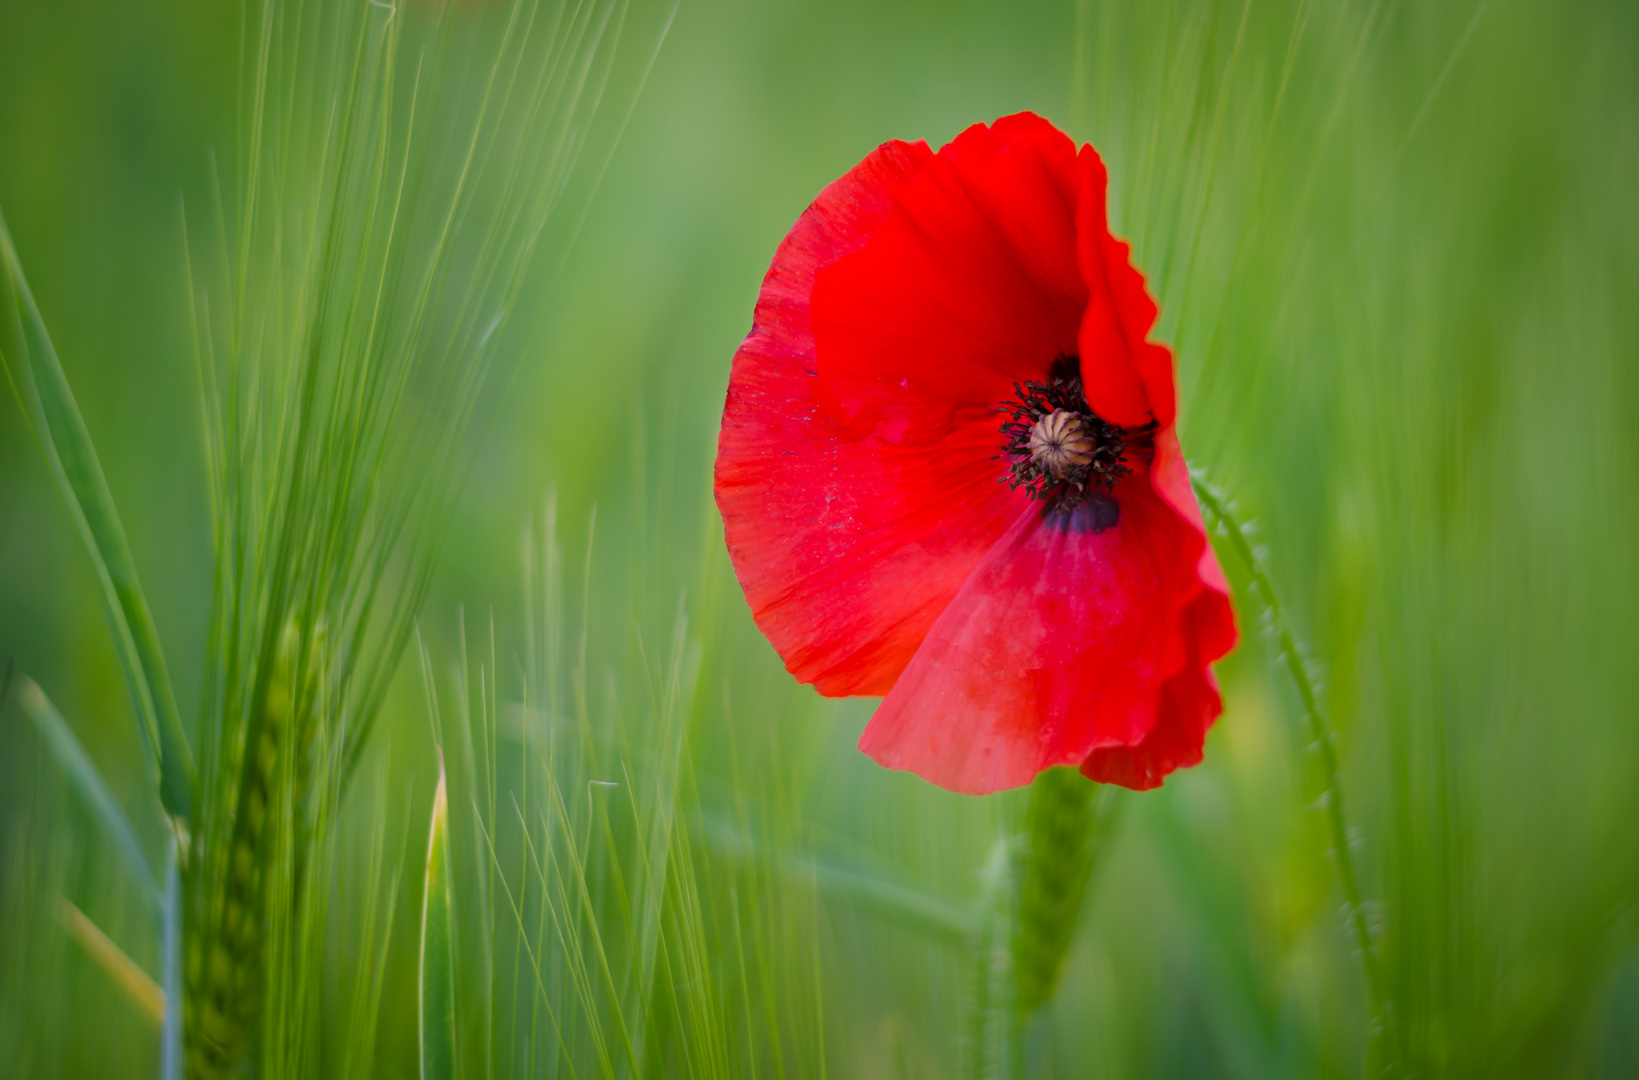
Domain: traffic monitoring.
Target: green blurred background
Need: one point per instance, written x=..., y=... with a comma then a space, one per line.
x=1397, y=249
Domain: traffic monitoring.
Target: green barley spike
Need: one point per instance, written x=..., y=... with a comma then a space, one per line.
x=224, y=959
x=1060, y=845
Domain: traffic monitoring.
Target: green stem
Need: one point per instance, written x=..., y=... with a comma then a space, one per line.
x=1337, y=818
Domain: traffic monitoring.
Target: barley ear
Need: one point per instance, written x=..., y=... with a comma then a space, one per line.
x=224, y=961
x=1060, y=843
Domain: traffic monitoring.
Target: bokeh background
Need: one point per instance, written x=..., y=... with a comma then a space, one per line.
x=1396, y=247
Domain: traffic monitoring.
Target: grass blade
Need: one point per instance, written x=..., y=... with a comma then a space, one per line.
x=120, y=968
x=437, y=956
x=52, y=414
x=88, y=783
x=845, y=880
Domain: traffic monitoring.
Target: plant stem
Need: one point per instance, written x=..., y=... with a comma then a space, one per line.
x=1228, y=527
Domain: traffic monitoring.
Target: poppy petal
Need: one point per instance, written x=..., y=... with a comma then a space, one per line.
x=1188, y=706
x=1067, y=647
x=970, y=284
x=1061, y=643
x=1127, y=379
x=1189, y=700
x=847, y=548
x=1169, y=476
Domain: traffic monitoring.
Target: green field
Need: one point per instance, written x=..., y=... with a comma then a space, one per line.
x=1396, y=251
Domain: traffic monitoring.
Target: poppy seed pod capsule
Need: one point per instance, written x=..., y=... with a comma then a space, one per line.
x=1059, y=442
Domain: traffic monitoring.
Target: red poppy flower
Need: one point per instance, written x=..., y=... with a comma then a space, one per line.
x=948, y=471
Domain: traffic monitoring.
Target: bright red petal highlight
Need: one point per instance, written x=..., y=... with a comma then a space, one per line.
x=969, y=285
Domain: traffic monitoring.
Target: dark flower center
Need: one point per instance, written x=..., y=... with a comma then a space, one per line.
x=1061, y=452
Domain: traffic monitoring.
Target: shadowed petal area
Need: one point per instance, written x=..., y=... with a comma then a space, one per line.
x=1068, y=646
x=1189, y=701
x=1188, y=705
